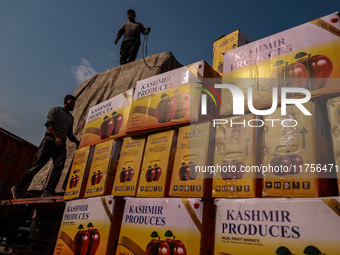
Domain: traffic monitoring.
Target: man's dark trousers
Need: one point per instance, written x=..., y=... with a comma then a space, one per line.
x=47, y=150
x=128, y=51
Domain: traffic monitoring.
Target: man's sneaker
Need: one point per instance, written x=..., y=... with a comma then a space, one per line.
x=47, y=194
x=15, y=192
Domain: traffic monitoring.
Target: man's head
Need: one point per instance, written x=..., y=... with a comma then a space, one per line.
x=69, y=102
x=131, y=15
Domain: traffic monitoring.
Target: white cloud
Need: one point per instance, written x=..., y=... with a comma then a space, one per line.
x=6, y=120
x=84, y=71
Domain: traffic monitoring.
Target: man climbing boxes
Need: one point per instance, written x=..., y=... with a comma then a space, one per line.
x=131, y=42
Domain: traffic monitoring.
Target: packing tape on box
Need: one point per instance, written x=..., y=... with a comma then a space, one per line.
x=192, y=213
x=326, y=26
x=144, y=109
x=131, y=245
x=66, y=238
x=127, y=97
x=195, y=71
x=333, y=204
x=106, y=208
x=92, y=130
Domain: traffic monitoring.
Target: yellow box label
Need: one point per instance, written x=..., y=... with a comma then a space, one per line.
x=305, y=56
x=235, y=158
x=129, y=165
x=289, y=152
x=85, y=227
x=152, y=225
x=107, y=120
x=77, y=174
x=191, y=156
x=100, y=169
x=155, y=165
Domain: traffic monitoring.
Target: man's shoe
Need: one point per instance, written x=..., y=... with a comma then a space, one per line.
x=15, y=192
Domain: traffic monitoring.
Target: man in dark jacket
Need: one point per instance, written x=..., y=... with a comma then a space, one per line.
x=59, y=127
x=131, y=42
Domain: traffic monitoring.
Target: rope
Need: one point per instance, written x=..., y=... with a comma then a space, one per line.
x=145, y=52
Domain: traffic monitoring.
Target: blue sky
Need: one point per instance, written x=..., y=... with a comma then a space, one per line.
x=47, y=48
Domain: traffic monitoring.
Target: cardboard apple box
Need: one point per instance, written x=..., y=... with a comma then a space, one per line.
x=237, y=148
x=225, y=43
x=333, y=115
x=169, y=99
x=193, y=155
x=170, y=225
x=157, y=164
x=297, y=158
x=103, y=167
x=128, y=169
x=305, y=56
x=79, y=173
x=90, y=226
x=107, y=120
x=277, y=226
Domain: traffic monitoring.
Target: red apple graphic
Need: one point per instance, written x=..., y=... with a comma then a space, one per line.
x=106, y=127
x=184, y=172
x=296, y=161
x=177, y=247
x=319, y=69
x=183, y=106
x=131, y=174
x=228, y=170
x=150, y=174
x=193, y=172
x=166, y=108
x=76, y=180
x=157, y=247
x=118, y=122
x=280, y=161
x=240, y=169
x=94, y=178
x=124, y=175
x=94, y=240
x=71, y=184
x=100, y=176
x=158, y=171
x=292, y=75
x=80, y=242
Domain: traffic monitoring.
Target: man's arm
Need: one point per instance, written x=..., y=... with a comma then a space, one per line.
x=120, y=33
x=58, y=140
x=145, y=31
x=71, y=136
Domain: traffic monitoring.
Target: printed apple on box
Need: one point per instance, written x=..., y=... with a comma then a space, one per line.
x=107, y=120
x=103, y=166
x=157, y=162
x=333, y=115
x=166, y=226
x=79, y=173
x=298, y=150
x=128, y=169
x=225, y=43
x=192, y=155
x=168, y=99
x=277, y=226
x=305, y=56
x=90, y=226
x=237, y=147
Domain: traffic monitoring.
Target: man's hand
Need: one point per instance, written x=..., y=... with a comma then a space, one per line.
x=148, y=30
x=77, y=143
x=58, y=141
